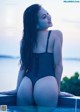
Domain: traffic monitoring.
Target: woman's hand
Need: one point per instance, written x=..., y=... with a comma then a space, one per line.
x=63, y=94
x=12, y=92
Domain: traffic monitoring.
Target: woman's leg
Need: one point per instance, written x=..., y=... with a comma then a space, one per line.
x=46, y=92
x=24, y=94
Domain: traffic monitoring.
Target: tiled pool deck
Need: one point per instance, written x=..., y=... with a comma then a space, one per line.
x=66, y=104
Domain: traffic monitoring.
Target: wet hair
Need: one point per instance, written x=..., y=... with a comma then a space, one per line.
x=29, y=39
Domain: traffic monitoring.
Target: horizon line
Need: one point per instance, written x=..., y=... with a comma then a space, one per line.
x=13, y=56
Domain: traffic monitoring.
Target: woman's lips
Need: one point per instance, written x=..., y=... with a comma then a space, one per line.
x=49, y=22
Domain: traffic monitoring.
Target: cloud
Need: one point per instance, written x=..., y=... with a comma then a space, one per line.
x=70, y=21
x=75, y=23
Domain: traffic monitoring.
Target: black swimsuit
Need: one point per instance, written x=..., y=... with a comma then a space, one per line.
x=42, y=65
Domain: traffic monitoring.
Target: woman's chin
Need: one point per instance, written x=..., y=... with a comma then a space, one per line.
x=50, y=25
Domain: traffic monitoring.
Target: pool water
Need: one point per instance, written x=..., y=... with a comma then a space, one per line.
x=32, y=109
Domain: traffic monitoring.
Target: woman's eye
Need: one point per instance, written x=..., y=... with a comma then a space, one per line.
x=44, y=16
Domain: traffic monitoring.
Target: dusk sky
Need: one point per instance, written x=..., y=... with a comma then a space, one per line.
x=65, y=17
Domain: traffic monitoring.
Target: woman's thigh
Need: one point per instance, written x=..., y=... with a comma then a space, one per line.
x=46, y=91
x=24, y=94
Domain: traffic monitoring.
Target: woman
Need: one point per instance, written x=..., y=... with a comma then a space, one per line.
x=41, y=60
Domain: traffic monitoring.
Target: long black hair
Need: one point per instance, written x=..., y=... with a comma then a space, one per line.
x=29, y=39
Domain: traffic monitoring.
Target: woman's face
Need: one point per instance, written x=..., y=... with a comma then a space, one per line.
x=44, y=19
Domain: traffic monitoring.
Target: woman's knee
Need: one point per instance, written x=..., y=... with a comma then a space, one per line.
x=46, y=91
x=24, y=94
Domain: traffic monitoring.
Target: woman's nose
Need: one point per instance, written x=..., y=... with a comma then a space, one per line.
x=49, y=17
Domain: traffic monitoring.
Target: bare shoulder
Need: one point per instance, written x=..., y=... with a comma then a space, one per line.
x=57, y=34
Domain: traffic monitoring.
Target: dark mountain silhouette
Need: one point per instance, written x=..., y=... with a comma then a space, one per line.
x=8, y=56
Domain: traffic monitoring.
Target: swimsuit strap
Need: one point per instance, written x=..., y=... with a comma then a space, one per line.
x=48, y=40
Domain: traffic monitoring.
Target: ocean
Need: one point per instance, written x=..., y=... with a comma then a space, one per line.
x=9, y=68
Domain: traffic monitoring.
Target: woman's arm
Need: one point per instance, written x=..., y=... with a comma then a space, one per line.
x=12, y=92
x=57, y=51
x=20, y=77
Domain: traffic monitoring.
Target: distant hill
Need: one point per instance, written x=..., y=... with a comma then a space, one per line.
x=72, y=59
x=13, y=57
x=7, y=56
